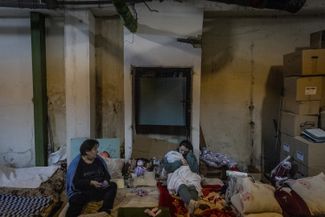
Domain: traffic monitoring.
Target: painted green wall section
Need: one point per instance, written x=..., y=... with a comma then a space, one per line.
x=39, y=87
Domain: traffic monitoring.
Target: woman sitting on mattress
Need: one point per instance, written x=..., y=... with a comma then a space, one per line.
x=88, y=180
x=182, y=168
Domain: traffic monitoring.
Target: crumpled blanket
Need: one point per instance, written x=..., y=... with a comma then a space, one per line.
x=173, y=156
x=217, y=160
x=183, y=175
x=30, y=177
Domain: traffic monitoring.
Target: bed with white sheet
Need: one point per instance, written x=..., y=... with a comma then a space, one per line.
x=33, y=191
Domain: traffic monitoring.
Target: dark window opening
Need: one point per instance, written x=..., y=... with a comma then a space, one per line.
x=162, y=100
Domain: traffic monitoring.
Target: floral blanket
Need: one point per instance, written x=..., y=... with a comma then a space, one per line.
x=211, y=204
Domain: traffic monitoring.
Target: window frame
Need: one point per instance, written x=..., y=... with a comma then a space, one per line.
x=160, y=72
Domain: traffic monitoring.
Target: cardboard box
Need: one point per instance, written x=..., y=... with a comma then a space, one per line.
x=309, y=155
x=322, y=120
x=322, y=102
x=303, y=88
x=301, y=107
x=146, y=147
x=287, y=146
x=212, y=172
x=283, y=156
x=293, y=124
x=317, y=39
x=304, y=62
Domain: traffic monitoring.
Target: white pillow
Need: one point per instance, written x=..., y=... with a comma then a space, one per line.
x=312, y=191
x=148, y=179
x=114, y=166
x=257, y=197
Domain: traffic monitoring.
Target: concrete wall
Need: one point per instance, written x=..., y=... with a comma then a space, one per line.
x=239, y=68
x=155, y=44
x=16, y=89
x=240, y=59
x=109, y=77
x=16, y=92
x=80, y=76
x=55, y=81
x=16, y=107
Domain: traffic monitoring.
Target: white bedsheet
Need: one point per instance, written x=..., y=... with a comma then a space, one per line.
x=183, y=175
x=30, y=177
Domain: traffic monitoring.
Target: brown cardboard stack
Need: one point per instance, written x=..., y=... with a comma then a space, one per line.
x=308, y=155
x=322, y=120
x=317, y=39
x=305, y=62
x=301, y=104
x=304, y=95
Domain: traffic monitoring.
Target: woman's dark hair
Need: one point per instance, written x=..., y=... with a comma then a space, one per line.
x=87, y=145
x=186, y=144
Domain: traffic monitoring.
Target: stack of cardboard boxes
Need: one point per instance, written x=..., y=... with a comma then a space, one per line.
x=304, y=96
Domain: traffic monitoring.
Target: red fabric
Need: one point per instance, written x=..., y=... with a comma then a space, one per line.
x=175, y=205
x=166, y=200
x=206, y=189
x=292, y=204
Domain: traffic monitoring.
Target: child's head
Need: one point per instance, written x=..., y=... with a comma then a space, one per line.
x=185, y=146
x=104, y=154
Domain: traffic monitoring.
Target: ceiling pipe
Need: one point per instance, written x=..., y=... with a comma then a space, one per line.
x=84, y=2
x=23, y=4
x=32, y=4
x=292, y=6
x=54, y=4
x=99, y=3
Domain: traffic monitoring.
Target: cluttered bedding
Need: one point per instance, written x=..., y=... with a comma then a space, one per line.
x=33, y=191
x=141, y=185
x=288, y=196
x=303, y=197
x=252, y=198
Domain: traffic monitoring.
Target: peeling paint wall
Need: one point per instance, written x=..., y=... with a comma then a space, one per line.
x=109, y=77
x=55, y=81
x=239, y=69
x=16, y=93
x=16, y=89
x=79, y=67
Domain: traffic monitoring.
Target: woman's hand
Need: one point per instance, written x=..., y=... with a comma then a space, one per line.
x=95, y=184
x=184, y=162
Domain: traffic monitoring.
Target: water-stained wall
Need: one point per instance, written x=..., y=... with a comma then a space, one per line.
x=109, y=77
x=55, y=82
x=16, y=90
x=241, y=80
